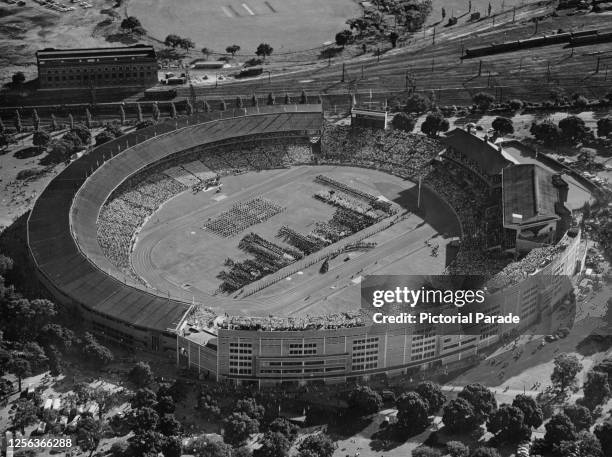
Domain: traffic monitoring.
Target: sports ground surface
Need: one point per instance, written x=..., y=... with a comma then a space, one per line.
x=287, y=25
x=176, y=255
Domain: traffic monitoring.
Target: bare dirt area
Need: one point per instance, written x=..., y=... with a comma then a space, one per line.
x=287, y=25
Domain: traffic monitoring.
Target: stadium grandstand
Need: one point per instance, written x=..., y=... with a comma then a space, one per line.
x=82, y=229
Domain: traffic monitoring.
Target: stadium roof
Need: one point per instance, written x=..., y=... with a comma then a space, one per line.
x=488, y=156
x=529, y=194
x=62, y=236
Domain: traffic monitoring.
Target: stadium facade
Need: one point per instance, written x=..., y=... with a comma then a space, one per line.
x=70, y=263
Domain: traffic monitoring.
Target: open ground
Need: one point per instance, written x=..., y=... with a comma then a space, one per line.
x=174, y=254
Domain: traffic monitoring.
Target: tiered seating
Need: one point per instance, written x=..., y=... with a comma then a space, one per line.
x=199, y=170
x=182, y=176
x=126, y=211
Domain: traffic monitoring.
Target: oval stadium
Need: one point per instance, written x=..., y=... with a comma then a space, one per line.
x=236, y=244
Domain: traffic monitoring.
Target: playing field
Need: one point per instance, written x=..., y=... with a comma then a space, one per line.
x=175, y=254
x=287, y=25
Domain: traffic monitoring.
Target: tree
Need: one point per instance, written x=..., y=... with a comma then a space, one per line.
x=155, y=112
x=364, y=400
x=559, y=428
x=188, y=108
x=6, y=388
x=97, y=352
x=238, y=427
x=481, y=398
x=283, y=426
x=172, y=446
x=508, y=423
x=485, y=452
x=41, y=139
x=459, y=416
x=264, y=50
x=287, y=100
x=169, y=426
x=434, y=123
x=89, y=434
x=432, y=392
x=393, y=37
x=201, y=447
x=303, y=98
x=60, y=151
x=82, y=132
x=54, y=125
x=580, y=416
x=172, y=41
x=88, y=118
x=35, y=120
x=6, y=140
x=457, y=449
x=516, y=104
x=233, y=49
x=417, y=103
x=139, y=116
x=483, y=100
x=186, y=44
x=143, y=419
x=141, y=374
x=250, y=407
x=144, y=398
x=531, y=410
x=165, y=405
x=503, y=126
x=273, y=444
x=70, y=122
x=319, y=445
x=17, y=121
x=573, y=128
x=25, y=414
x=206, y=52
x=564, y=374
x=585, y=445
x=254, y=101
x=426, y=451
x=596, y=389
x=603, y=432
x=342, y=38
x=18, y=78
x=21, y=368
x=147, y=444
x=122, y=114
x=546, y=131
x=412, y=413
x=604, y=126
x=119, y=448
x=173, y=113
x=206, y=107
x=104, y=137
x=271, y=100
x=130, y=23
x=404, y=122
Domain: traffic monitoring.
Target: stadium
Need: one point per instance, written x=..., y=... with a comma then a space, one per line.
x=236, y=244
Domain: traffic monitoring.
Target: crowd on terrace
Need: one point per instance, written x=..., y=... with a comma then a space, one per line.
x=357, y=318
x=126, y=211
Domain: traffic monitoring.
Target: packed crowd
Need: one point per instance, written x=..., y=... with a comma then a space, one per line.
x=357, y=318
x=241, y=216
x=374, y=201
x=403, y=154
x=126, y=211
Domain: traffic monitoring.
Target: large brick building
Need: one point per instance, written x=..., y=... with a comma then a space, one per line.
x=131, y=66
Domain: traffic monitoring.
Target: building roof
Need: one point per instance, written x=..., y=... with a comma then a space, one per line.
x=139, y=50
x=530, y=194
x=488, y=156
